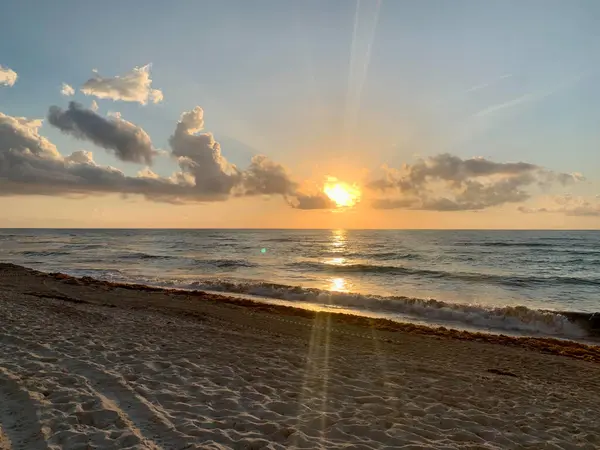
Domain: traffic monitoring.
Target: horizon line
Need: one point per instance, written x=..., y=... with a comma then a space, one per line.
x=297, y=229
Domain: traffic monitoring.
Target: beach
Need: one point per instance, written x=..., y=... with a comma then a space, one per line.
x=92, y=364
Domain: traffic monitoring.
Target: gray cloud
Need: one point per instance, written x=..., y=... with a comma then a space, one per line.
x=394, y=203
x=8, y=77
x=128, y=141
x=449, y=183
x=201, y=156
x=569, y=205
x=31, y=165
x=311, y=201
x=264, y=176
x=23, y=173
x=134, y=86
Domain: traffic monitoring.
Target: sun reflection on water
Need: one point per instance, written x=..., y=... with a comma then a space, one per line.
x=336, y=261
x=338, y=241
x=338, y=284
x=338, y=244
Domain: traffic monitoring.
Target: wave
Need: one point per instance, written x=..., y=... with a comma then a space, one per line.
x=506, y=318
x=518, y=319
x=142, y=255
x=77, y=247
x=225, y=263
x=44, y=253
x=536, y=251
x=392, y=255
x=504, y=244
x=509, y=280
x=591, y=262
x=564, y=250
x=285, y=239
x=219, y=263
x=541, y=245
x=377, y=255
x=101, y=274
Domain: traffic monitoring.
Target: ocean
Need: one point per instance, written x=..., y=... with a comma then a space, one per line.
x=495, y=281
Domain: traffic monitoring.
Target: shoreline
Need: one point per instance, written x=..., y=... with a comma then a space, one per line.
x=390, y=330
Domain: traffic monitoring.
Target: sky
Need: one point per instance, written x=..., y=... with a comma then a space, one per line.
x=237, y=114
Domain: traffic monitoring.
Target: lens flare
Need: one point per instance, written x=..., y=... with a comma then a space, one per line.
x=343, y=194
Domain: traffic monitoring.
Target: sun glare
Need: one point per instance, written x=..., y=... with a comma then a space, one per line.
x=343, y=194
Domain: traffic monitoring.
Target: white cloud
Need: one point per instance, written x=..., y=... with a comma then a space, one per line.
x=509, y=104
x=486, y=84
x=67, y=90
x=20, y=134
x=8, y=77
x=533, y=96
x=134, y=86
x=94, y=106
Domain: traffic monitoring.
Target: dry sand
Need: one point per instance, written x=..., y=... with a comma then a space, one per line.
x=86, y=365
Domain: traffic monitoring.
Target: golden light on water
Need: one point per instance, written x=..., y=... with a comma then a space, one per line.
x=343, y=194
x=336, y=261
x=338, y=284
x=338, y=241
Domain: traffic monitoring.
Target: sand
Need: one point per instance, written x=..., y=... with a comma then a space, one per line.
x=87, y=365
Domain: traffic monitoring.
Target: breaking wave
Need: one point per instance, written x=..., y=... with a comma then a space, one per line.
x=506, y=318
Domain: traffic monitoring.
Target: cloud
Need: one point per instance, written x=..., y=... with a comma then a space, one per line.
x=486, y=84
x=127, y=141
x=449, y=183
x=201, y=156
x=20, y=134
x=568, y=205
x=94, y=106
x=31, y=165
x=24, y=173
x=134, y=86
x=311, y=201
x=8, y=77
x=509, y=104
x=267, y=178
x=534, y=96
x=396, y=203
x=67, y=90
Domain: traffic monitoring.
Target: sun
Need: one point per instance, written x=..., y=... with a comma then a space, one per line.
x=343, y=194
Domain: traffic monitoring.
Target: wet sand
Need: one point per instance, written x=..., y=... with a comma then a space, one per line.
x=90, y=364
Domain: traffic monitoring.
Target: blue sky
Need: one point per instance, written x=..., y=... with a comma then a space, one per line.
x=314, y=84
